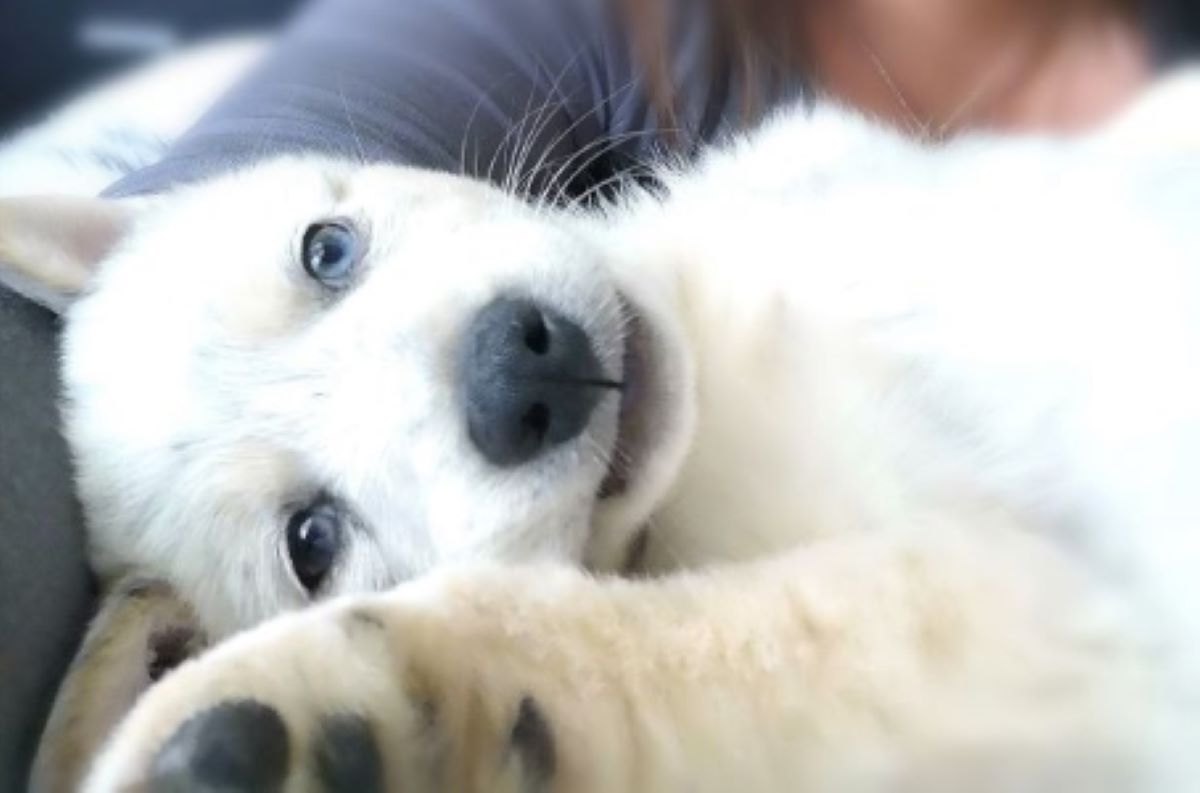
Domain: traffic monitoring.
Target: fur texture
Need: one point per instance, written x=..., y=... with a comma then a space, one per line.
x=923, y=425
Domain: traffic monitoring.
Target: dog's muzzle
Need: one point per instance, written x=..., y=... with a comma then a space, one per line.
x=530, y=378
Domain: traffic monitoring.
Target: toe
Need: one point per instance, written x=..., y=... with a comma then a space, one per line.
x=232, y=747
x=347, y=756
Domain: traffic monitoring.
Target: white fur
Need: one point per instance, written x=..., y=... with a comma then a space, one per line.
x=852, y=335
x=994, y=325
x=265, y=392
x=882, y=332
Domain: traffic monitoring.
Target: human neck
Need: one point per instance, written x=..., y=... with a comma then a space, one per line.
x=935, y=68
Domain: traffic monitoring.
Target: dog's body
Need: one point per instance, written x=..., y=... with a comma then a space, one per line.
x=923, y=425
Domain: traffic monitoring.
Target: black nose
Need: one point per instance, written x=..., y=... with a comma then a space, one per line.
x=530, y=379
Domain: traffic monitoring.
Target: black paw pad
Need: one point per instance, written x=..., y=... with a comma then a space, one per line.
x=234, y=747
x=533, y=741
x=347, y=756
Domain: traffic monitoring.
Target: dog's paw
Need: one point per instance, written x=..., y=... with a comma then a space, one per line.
x=365, y=695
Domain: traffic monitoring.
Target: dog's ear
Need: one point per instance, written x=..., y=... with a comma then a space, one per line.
x=142, y=632
x=51, y=245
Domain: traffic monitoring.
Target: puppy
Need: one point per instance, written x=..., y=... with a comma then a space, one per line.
x=907, y=440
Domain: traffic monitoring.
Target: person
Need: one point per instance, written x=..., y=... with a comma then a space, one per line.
x=562, y=101
x=562, y=97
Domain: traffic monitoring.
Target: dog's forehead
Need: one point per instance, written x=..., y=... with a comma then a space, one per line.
x=413, y=189
x=381, y=190
x=291, y=192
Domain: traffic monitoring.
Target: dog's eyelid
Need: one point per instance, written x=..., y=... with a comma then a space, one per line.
x=355, y=221
x=318, y=496
x=312, y=499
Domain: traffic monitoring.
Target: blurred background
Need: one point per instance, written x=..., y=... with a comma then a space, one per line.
x=51, y=48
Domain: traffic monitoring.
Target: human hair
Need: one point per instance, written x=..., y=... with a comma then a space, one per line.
x=754, y=42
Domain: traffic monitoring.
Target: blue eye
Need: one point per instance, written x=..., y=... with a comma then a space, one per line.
x=330, y=253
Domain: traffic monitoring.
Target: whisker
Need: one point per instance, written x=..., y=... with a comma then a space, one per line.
x=573, y=126
x=485, y=97
x=601, y=455
x=603, y=184
x=362, y=154
x=518, y=129
x=592, y=152
x=514, y=129
x=555, y=101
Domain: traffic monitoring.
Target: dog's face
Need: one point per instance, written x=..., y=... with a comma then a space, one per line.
x=314, y=378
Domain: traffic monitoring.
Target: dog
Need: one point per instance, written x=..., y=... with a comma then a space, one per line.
x=896, y=447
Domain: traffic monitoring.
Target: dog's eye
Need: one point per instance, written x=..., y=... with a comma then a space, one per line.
x=330, y=253
x=314, y=537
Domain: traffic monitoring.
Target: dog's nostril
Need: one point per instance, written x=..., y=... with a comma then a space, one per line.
x=537, y=335
x=529, y=380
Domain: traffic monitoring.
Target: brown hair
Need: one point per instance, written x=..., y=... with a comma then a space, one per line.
x=755, y=41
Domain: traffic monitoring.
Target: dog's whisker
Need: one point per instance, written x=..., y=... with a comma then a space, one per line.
x=601, y=455
x=556, y=102
x=341, y=87
x=485, y=97
x=514, y=129
x=540, y=117
x=590, y=154
x=552, y=145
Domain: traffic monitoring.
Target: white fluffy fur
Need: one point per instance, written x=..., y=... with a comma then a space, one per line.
x=855, y=340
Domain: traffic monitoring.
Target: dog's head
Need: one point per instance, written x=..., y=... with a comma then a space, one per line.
x=313, y=378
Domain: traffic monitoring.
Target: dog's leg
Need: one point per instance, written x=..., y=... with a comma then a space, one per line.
x=141, y=633
x=860, y=665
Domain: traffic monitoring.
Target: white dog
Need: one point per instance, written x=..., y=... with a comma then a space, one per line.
x=912, y=434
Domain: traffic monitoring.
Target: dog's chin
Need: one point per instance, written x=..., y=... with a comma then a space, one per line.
x=632, y=439
x=654, y=419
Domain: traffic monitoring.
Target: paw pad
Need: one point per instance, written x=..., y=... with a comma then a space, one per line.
x=232, y=747
x=347, y=756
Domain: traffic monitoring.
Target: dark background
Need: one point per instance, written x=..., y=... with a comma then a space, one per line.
x=46, y=51
x=1177, y=25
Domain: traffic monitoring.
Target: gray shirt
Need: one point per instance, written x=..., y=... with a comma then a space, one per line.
x=546, y=93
